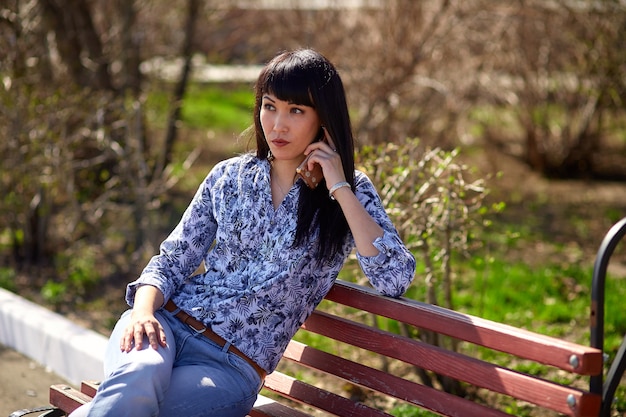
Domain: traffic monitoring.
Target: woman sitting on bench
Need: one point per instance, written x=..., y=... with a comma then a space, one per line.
x=273, y=236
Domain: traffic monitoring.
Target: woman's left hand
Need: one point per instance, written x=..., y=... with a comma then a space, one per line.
x=325, y=154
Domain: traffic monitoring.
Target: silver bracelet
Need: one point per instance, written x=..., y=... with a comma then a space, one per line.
x=337, y=186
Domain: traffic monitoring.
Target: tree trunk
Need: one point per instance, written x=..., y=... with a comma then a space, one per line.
x=181, y=86
x=131, y=57
x=77, y=40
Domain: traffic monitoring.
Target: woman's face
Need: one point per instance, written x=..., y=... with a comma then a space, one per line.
x=288, y=128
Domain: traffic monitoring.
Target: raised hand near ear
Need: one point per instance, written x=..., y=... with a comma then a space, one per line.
x=324, y=153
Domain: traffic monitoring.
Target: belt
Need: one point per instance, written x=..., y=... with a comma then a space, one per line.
x=211, y=335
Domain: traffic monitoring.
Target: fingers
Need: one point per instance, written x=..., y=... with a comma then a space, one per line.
x=326, y=145
x=329, y=141
x=156, y=334
x=137, y=329
x=323, y=150
x=324, y=156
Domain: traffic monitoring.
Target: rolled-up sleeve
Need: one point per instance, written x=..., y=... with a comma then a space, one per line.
x=392, y=270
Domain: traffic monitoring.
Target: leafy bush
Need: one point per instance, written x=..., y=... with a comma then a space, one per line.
x=438, y=211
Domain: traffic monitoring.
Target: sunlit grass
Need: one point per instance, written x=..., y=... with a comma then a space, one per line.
x=205, y=106
x=223, y=109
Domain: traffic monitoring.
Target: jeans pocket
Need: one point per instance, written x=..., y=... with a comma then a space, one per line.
x=246, y=371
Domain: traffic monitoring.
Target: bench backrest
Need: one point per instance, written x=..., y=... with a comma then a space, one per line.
x=355, y=388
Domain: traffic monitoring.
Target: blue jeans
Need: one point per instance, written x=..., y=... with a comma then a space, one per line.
x=192, y=377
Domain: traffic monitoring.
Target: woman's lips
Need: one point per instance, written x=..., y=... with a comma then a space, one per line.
x=280, y=142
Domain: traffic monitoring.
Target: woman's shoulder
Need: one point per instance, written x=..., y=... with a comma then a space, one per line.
x=361, y=178
x=364, y=186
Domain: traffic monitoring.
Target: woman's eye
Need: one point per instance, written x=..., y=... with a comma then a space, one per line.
x=268, y=106
x=297, y=110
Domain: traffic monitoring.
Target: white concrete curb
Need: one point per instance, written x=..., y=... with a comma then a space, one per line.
x=69, y=350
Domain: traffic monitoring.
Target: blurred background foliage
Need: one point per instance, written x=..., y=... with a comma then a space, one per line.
x=110, y=117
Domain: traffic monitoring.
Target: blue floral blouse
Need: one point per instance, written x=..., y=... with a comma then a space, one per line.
x=257, y=289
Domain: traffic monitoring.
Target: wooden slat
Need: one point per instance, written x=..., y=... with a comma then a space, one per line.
x=429, y=398
x=275, y=409
x=89, y=387
x=324, y=400
x=482, y=374
x=67, y=398
x=522, y=343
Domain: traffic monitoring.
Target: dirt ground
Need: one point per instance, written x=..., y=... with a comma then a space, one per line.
x=23, y=382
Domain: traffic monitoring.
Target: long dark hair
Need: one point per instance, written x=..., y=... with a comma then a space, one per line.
x=306, y=77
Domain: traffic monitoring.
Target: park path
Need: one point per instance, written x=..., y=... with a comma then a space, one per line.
x=23, y=382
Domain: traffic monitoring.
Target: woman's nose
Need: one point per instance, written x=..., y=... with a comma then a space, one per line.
x=279, y=123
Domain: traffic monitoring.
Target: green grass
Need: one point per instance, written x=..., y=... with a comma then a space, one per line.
x=521, y=295
x=406, y=410
x=212, y=118
x=207, y=107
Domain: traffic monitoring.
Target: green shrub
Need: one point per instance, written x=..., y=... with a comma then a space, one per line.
x=7, y=279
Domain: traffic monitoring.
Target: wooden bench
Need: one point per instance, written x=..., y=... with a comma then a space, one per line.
x=370, y=365
x=371, y=385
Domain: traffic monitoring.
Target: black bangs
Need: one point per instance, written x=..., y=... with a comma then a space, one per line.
x=289, y=85
x=294, y=78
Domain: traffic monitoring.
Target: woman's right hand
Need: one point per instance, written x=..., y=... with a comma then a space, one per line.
x=142, y=323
